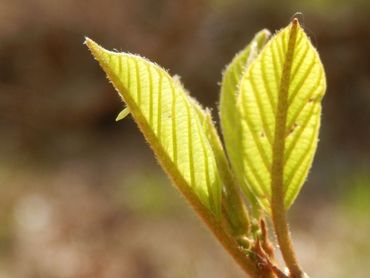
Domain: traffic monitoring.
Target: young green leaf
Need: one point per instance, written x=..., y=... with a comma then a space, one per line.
x=169, y=119
x=230, y=112
x=235, y=213
x=280, y=97
x=123, y=114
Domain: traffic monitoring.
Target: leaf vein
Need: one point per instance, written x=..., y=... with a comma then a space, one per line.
x=299, y=133
x=299, y=64
x=261, y=188
x=159, y=105
x=151, y=92
x=138, y=82
x=173, y=122
x=260, y=149
x=303, y=156
x=265, y=82
x=206, y=164
x=301, y=82
x=190, y=144
x=261, y=111
x=309, y=95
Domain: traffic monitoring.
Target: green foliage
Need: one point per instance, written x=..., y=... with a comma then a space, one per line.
x=230, y=113
x=270, y=111
x=277, y=84
x=170, y=120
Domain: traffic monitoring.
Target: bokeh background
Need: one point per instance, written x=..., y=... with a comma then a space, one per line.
x=82, y=195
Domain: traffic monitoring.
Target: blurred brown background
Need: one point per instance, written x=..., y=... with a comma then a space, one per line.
x=82, y=196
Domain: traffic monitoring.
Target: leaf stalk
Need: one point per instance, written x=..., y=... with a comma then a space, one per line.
x=278, y=210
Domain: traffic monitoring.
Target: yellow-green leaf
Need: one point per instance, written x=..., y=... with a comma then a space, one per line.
x=280, y=96
x=123, y=114
x=235, y=213
x=169, y=119
x=230, y=113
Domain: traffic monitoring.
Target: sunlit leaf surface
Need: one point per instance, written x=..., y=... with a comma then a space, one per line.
x=230, y=113
x=280, y=99
x=170, y=120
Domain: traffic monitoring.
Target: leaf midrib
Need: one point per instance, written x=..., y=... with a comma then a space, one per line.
x=278, y=161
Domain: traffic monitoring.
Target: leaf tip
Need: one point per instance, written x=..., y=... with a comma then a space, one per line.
x=294, y=25
x=86, y=39
x=295, y=19
x=89, y=42
x=92, y=46
x=97, y=50
x=265, y=32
